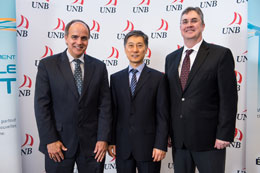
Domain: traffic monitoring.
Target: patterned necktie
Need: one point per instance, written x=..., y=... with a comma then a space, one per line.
x=133, y=81
x=78, y=75
x=185, y=69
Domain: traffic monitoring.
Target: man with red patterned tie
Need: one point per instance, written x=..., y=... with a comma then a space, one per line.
x=203, y=93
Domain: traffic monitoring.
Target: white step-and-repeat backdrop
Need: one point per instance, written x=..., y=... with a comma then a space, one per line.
x=40, y=33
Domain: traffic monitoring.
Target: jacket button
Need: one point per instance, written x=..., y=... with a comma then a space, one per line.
x=183, y=99
x=181, y=116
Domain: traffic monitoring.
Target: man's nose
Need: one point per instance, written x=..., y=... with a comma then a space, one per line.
x=135, y=48
x=78, y=41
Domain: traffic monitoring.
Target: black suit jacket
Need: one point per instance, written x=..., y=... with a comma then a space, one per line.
x=62, y=114
x=206, y=109
x=140, y=122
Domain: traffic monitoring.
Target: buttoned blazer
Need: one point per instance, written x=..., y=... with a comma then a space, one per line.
x=140, y=122
x=206, y=109
x=61, y=114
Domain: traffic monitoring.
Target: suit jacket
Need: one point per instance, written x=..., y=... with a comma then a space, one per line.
x=62, y=114
x=140, y=122
x=206, y=109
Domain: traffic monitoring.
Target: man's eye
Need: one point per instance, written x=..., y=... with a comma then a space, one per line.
x=194, y=20
x=84, y=38
x=184, y=21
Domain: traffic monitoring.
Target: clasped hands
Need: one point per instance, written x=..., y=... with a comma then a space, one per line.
x=55, y=151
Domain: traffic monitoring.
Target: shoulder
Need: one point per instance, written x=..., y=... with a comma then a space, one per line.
x=216, y=48
x=116, y=78
x=51, y=60
x=154, y=71
x=119, y=73
x=53, y=57
x=154, y=74
x=220, y=53
x=174, y=54
x=91, y=59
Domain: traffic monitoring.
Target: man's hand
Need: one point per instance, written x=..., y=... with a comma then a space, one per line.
x=55, y=151
x=158, y=155
x=100, y=150
x=219, y=144
x=112, y=150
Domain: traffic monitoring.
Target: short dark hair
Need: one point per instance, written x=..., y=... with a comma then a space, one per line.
x=75, y=21
x=136, y=33
x=197, y=10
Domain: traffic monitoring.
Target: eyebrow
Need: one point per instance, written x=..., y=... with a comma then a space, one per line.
x=79, y=36
x=135, y=43
x=191, y=18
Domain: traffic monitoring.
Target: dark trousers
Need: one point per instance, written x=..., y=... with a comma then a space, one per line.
x=129, y=166
x=84, y=164
x=212, y=161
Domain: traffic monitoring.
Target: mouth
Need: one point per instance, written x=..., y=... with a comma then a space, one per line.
x=189, y=30
x=134, y=56
x=78, y=47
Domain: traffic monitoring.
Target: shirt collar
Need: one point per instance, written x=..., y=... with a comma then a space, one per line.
x=139, y=68
x=195, y=47
x=71, y=58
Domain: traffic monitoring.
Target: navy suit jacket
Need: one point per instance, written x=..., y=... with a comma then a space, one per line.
x=62, y=114
x=140, y=122
x=206, y=109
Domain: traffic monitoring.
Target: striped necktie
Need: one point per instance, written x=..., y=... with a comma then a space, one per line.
x=133, y=81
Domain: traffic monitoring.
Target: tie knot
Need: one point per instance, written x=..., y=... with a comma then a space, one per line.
x=134, y=71
x=78, y=61
x=188, y=52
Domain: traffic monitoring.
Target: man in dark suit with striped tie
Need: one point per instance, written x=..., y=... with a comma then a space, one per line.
x=140, y=111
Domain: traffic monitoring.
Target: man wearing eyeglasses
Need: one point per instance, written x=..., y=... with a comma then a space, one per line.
x=203, y=96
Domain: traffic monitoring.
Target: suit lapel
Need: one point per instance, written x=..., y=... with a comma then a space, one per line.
x=88, y=74
x=176, y=71
x=200, y=58
x=125, y=83
x=142, y=79
x=173, y=70
x=65, y=69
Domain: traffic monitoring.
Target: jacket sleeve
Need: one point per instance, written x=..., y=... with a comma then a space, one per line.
x=162, y=115
x=105, y=116
x=114, y=111
x=227, y=85
x=43, y=107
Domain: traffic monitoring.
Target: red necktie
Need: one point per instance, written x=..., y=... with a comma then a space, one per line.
x=185, y=69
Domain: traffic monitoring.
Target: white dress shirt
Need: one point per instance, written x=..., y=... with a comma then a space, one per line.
x=192, y=55
x=139, y=68
x=73, y=63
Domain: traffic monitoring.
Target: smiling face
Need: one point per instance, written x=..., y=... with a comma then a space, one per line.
x=135, y=50
x=191, y=27
x=77, y=39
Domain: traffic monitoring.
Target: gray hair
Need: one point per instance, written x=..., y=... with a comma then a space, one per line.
x=75, y=21
x=197, y=10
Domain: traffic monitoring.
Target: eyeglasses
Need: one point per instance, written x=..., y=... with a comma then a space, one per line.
x=192, y=21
